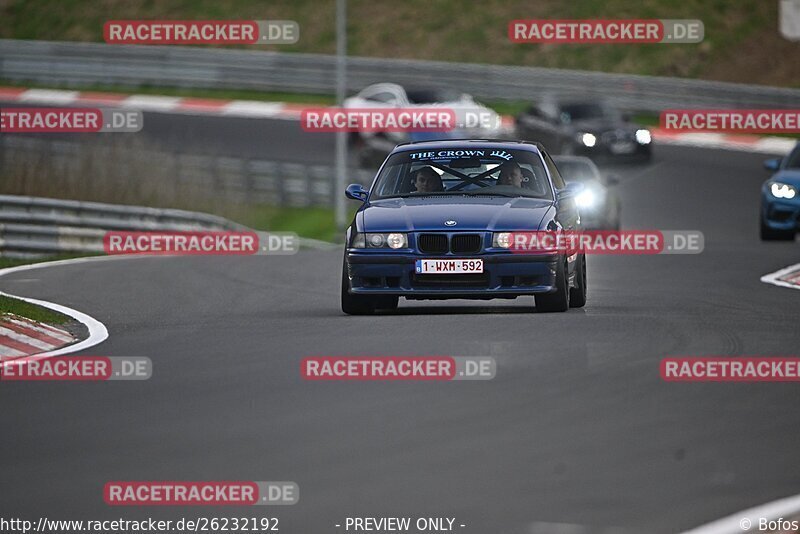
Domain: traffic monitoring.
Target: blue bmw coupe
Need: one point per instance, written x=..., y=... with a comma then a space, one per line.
x=780, y=201
x=438, y=223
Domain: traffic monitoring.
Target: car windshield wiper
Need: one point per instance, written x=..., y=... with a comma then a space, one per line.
x=479, y=192
x=417, y=195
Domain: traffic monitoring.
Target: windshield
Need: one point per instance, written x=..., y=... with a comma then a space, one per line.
x=469, y=171
x=576, y=171
x=579, y=112
x=793, y=159
x=432, y=96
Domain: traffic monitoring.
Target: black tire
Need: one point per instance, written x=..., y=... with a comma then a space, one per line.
x=768, y=234
x=558, y=301
x=354, y=304
x=363, y=304
x=577, y=295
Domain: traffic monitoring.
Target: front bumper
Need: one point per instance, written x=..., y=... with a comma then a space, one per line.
x=781, y=214
x=505, y=275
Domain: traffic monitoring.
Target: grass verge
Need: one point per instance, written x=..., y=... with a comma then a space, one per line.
x=10, y=305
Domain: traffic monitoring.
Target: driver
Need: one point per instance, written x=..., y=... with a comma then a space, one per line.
x=510, y=174
x=428, y=181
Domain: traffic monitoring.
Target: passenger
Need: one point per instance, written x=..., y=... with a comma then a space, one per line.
x=510, y=174
x=428, y=181
x=528, y=179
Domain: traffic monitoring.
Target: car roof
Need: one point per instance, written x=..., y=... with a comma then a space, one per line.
x=461, y=143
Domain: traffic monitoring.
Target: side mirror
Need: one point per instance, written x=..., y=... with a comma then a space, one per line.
x=772, y=164
x=356, y=192
x=612, y=180
x=572, y=189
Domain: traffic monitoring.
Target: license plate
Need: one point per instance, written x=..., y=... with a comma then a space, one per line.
x=449, y=266
x=622, y=148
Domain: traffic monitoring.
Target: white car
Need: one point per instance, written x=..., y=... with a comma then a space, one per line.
x=396, y=96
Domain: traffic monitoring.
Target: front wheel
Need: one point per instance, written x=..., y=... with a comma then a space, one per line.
x=768, y=234
x=364, y=304
x=558, y=301
x=577, y=294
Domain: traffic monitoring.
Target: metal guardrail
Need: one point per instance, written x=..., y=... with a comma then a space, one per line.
x=81, y=64
x=245, y=181
x=33, y=226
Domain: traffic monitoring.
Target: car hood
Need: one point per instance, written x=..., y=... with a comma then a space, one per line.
x=788, y=176
x=469, y=213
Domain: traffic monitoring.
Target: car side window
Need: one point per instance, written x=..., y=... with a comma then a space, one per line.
x=384, y=97
x=558, y=181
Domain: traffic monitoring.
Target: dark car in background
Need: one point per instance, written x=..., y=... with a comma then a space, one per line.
x=584, y=127
x=598, y=202
x=780, y=198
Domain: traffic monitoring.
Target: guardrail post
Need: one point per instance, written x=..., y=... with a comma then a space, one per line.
x=281, y=185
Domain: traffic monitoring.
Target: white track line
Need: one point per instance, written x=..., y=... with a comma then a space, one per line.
x=97, y=330
x=734, y=524
x=774, y=278
x=49, y=96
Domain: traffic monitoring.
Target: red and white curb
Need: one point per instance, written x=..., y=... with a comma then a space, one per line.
x=286, y=111
x=787, y=277
x=162, y=104
x=746, y=143
x=22, y=337
x=169, y=104
x=45, y=336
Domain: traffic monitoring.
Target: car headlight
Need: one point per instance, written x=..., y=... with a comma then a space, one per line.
x=588, y=140
x=373, y=240
x=586, y=198
x=501, y=240
x=781, y=190
x=396, y=240
x=643, y=137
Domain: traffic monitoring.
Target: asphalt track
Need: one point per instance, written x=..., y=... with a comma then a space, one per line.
x=577, y=427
